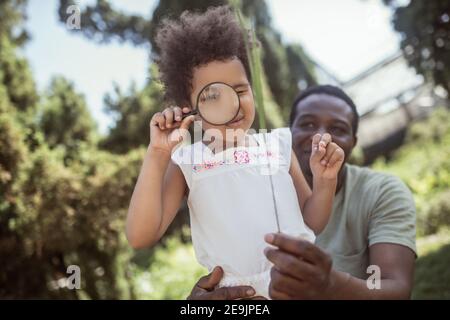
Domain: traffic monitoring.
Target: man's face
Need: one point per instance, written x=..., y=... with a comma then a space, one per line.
x=321, y=113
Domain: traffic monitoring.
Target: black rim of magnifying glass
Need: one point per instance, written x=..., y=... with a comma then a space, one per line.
x=197, y=110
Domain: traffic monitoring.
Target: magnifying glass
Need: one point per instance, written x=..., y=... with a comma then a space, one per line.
x=217, y=104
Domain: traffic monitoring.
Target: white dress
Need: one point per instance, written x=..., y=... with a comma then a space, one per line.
x=232, y=206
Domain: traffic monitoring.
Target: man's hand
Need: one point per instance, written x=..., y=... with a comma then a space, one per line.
x=205, y=289
x=326, y=157
x=301, y=270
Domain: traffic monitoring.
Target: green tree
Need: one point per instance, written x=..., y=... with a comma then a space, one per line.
x=15, y=76
x=425, y=30
x=64, y=116
x=12, y=15
x=54, y=212
x=132, y=111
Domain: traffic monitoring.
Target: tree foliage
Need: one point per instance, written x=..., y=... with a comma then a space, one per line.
x=425, y=30
x=55, y=212
x=132, y=111
x=65, y=119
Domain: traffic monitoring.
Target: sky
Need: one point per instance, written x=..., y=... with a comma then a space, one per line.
x=345, y=37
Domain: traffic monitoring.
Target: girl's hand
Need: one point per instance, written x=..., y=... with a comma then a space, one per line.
x=326, y=157
x=167, y=129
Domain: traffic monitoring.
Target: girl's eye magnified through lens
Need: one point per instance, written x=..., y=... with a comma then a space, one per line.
x=217, y=103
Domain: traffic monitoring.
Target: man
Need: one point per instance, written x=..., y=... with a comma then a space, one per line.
x=371, y=232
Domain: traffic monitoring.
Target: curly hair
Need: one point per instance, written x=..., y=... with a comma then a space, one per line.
x=193, y=40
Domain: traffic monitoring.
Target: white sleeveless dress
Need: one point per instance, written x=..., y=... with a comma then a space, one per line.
x=232, y=206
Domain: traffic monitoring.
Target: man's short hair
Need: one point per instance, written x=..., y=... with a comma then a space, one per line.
x=329, y=90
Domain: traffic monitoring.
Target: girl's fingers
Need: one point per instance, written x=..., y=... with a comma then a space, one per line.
x=325, y=140
x=187, y=122
x=168, y=119
x=158, y=120
x=318, y=148
x=168, y=114
x=315, y=142
x=337, y=156
x=186, y=109
x=329, y=151
x=317, y=151
x=182, y=132
x=178, y=113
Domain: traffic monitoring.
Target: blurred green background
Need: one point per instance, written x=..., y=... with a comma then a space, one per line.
x=65, y=186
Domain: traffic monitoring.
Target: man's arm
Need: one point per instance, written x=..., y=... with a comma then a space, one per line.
x=396, y=263
x=304, y=271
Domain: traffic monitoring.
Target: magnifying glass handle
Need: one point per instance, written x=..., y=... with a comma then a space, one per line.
x=193, y=112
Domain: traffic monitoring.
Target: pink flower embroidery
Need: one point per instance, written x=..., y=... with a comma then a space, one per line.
x=210, y=165
x=207, y=165
x=241, y=157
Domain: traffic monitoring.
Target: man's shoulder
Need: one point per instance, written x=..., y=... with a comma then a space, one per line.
x=374, y=183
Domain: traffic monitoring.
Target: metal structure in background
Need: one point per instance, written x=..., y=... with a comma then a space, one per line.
x=390, y=96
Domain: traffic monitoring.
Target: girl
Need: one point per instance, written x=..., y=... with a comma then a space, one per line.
x=231, y=201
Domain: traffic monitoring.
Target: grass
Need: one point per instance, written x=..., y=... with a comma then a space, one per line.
x=432, y=276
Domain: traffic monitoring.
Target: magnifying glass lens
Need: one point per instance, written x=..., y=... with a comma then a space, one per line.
x=218, y=103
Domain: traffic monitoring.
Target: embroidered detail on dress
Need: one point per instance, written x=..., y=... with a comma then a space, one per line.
x=240, y=157
x=207, y=165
